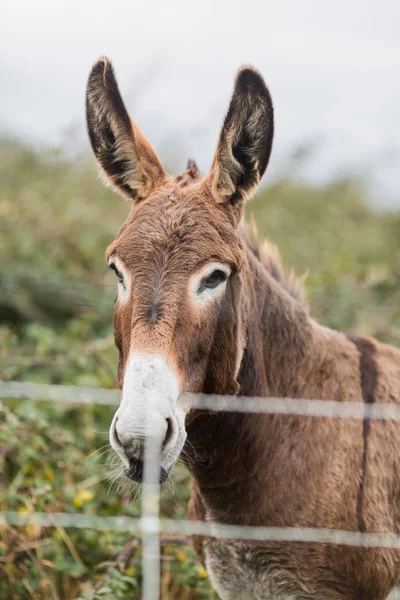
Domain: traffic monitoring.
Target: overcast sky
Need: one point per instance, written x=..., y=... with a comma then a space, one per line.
x=333, y=69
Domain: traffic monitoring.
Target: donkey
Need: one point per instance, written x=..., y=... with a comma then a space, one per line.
x=203, y=307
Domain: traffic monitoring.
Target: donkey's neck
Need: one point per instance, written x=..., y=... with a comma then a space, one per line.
x=282, y=346
x=280, y=337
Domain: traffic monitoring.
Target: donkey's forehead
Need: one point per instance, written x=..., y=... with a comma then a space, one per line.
x=178, y=217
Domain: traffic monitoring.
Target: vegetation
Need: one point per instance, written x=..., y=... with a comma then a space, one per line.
x=56, y=301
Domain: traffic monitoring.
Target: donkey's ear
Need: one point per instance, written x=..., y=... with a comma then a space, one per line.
x=245, y=142
x=128, y=161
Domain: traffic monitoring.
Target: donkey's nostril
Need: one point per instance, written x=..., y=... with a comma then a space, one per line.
x=169, y=434
x=135, y=470
x=116, y=432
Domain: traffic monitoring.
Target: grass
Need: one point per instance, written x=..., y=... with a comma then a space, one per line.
x=56, y=301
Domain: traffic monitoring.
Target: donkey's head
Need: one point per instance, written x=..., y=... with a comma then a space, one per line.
x=179, y=261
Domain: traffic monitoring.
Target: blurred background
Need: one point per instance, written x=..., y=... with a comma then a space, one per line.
x=333, y=69
x=330, y=201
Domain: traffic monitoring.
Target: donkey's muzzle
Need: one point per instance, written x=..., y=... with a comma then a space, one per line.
x=136, y=471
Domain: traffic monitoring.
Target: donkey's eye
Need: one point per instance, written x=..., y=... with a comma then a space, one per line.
x=214, y=280
x=118, y=274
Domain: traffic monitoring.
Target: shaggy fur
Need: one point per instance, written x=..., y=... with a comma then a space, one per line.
x=268, y=254
x=271, y=470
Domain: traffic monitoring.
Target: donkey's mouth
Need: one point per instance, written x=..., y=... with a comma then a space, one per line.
x=136, y=469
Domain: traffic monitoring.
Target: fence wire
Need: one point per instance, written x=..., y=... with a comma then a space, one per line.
x=179, y=527
x=150, y=526
x=269, y=405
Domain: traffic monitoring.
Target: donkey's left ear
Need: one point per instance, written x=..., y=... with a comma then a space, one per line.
x=245, y=142
x=127, y=159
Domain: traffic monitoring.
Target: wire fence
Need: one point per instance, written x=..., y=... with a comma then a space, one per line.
x=150, y=526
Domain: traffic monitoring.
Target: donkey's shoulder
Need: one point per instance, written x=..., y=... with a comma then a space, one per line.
x=387, y=360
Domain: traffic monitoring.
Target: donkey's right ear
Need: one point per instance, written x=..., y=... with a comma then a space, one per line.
x=127, y=159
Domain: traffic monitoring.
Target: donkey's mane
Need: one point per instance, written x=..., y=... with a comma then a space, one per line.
x=268, y=254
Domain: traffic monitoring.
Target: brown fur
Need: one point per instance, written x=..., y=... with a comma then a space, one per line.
x=255, y=469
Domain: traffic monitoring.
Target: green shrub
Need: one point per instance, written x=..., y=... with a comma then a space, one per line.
x=56, y=301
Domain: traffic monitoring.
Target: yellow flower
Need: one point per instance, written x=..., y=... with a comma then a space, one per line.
x=77, y=501
x=202, y=573
x=82, y=497
x=87, y=495
x=130, y=571
x=181, y=556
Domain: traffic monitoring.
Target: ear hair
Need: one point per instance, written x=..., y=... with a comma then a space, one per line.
x=128, y=161
x=245, y=141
